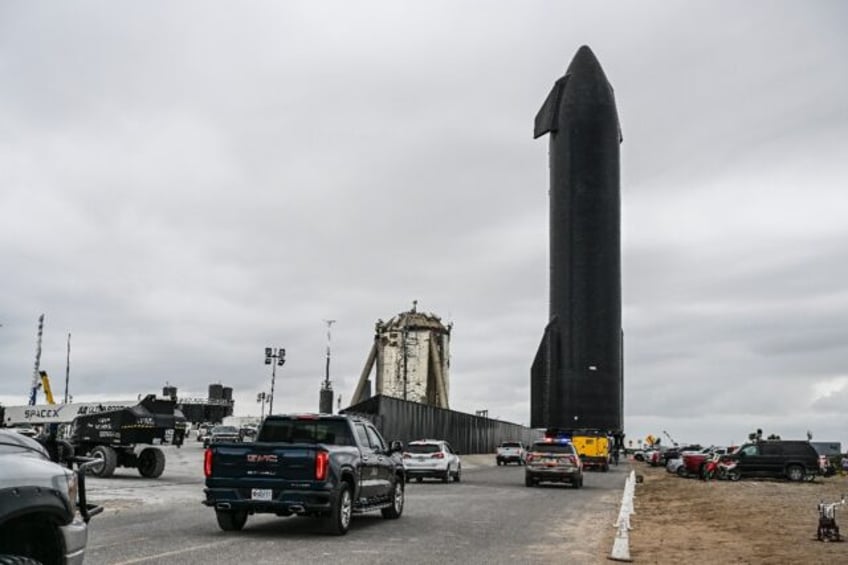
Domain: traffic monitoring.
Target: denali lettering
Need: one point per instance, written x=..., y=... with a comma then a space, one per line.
x=261, y=458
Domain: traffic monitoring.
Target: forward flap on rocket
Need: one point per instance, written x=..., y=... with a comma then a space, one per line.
x=544, y=377
x=546, y=119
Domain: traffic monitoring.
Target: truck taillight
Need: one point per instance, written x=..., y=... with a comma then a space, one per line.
x=207, y=463
x=322, y=463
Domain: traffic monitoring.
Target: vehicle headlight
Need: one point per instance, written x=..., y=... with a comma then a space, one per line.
x=73, y=488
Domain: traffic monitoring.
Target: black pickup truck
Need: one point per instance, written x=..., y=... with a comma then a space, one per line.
x=313, y=465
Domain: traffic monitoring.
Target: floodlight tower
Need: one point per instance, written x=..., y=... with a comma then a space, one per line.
x=272, y=354
x=325, y=400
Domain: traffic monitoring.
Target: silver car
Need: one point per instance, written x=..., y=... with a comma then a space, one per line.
x=43, y=514
x=431, y=458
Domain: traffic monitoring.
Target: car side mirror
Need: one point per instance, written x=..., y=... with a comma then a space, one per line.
x=396, y=446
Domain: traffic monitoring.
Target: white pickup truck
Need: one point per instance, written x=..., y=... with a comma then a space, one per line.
x=511, y=452
x=43, y=511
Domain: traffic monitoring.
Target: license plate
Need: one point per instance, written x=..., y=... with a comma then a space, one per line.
x=261, y=494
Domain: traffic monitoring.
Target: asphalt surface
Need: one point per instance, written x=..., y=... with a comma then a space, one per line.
x=490, y=517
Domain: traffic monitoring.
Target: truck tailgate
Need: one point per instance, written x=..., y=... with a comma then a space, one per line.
x=294, y=462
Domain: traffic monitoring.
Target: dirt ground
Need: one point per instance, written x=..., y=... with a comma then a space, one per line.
x=681, y=520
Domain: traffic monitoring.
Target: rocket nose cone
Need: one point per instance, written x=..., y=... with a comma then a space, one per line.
x=585, y=64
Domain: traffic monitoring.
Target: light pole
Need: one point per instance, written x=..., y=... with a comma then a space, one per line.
x=262, y=398
x=279, y=354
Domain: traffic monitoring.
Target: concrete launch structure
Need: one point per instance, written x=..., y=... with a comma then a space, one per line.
x=411, y=353
x=576, y=381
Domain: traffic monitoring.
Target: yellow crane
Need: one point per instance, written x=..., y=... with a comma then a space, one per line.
x=45, y=384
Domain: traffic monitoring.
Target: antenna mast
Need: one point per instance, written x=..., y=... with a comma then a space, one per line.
x=35, y=372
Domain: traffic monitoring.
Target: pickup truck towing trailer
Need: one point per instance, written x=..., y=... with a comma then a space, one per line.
x=312, y=465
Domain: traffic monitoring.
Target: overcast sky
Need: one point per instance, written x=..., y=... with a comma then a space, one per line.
x=184, y=184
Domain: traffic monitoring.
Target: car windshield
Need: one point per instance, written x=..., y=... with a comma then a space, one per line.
x=423, y=448
x=335, y=432
x=553, y=447
x=224, y=430
x=511, y=444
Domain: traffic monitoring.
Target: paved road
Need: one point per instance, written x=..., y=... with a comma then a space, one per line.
x=490, y=517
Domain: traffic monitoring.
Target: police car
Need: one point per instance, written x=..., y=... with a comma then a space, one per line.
x=553, y=460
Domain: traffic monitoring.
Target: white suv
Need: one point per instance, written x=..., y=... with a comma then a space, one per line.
x=431, y=458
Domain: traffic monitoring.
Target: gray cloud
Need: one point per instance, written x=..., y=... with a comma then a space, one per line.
x=181, y=186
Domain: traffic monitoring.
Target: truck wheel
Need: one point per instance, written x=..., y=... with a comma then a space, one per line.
x=109, y=458
x=795, y=473
x=230, y=521
x=337, y=522
x=396, y=509
x=151, y=463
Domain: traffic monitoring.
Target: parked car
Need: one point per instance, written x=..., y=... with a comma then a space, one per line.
x=43, y=511
x=321, y=465
x=694, y=461
x=203, y=432
x=553, y=460
x=222, y=434
x=795, y=460
x=431, y=458
x=676, y=452
x=248, y=432
x=25, y=430
x=510, y=452
x=675, y=465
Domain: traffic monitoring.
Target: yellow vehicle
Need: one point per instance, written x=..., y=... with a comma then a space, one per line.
x=594, y=449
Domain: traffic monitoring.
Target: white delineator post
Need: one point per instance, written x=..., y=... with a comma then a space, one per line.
x=621, y=545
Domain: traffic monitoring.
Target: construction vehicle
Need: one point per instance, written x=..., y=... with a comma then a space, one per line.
x=111, y=432
x=593, y=448
x=45, y=384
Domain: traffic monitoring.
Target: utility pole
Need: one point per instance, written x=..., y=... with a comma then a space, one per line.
x=68, y=368
x=262, y=398
x=272, y=355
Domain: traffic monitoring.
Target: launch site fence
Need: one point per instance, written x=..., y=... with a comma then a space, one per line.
x=408, y=421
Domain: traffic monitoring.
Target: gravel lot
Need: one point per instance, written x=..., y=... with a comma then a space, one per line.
x=751, y=521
